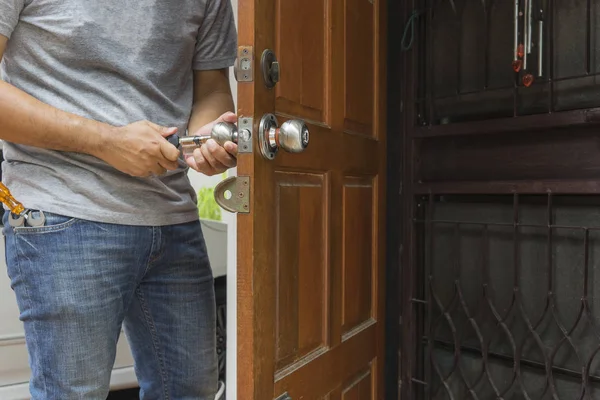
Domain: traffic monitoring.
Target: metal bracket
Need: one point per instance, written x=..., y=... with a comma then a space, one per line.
x=284, y=396
x=244, y=143
x=233, y=194
x=243, y=68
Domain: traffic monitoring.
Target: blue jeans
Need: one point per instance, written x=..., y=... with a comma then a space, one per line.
x=78, y=282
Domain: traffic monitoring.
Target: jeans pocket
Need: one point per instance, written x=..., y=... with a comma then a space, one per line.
x=53, y=223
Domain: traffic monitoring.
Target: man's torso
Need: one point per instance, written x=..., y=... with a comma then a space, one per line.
x=116, y=62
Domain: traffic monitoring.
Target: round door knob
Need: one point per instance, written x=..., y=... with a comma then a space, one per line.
x=224, y=132
x=293, y=136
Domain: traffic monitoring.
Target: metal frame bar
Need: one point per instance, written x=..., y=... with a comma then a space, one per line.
x=393, y=229
x=408, y=92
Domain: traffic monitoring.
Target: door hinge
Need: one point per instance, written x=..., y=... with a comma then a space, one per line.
x=233, y=194
x=284, y=396
x=243, y=68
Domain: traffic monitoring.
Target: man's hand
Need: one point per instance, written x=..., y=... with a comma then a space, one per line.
x=140, y=149
x=212, y=159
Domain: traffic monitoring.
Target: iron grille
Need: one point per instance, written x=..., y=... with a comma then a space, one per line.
x=507, y=304
x=465, y=51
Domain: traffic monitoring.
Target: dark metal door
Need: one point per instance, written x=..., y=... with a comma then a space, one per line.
x=501, y=207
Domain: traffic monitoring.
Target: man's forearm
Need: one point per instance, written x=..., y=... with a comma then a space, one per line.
x=209, y=108
x=28, y=121
x=212, y=102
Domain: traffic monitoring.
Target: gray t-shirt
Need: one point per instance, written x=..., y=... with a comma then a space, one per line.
x=116, y=62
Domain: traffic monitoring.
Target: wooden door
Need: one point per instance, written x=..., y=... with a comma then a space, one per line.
x=311, y=247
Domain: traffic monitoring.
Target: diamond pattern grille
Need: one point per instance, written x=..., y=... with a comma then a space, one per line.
x=509, y=299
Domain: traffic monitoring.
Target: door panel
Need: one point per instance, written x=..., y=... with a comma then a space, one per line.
x=302, y=314
x=302, y=46
x=310, y=251
x=359, y=66
x=358, y=266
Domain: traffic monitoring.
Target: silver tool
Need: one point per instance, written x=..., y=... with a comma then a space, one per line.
x=28, y=217
x=36, y=219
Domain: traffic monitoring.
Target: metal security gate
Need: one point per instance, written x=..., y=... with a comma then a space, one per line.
x=500, y=277
x=508, y=297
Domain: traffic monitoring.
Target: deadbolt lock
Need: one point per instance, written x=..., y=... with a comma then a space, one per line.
x=293, y=136
x=270, y=68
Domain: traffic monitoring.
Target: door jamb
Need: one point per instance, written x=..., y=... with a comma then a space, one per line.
x=395, y=134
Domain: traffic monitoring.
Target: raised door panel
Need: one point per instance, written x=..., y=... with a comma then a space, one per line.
x=360, y=388
x=359, y=215
x=359, y=66
x=302, y=47
x=302, y=267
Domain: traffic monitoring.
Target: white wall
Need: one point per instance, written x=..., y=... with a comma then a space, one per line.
x=198, y=181
x=231, y=220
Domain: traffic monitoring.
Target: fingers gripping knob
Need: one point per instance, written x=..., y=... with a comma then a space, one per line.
x=221, y=133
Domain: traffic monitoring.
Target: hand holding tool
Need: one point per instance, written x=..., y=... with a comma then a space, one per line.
x=221, y=133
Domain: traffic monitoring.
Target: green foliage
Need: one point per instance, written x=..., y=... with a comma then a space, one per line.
x=207, y=206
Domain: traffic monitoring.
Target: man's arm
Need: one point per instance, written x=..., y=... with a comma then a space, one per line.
x=213, y=103
x=138, y=149
x=212, y=97
x=25, y=120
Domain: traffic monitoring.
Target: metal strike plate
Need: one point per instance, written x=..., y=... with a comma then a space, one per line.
x=233, y=194
x=245, y=135
x=284, y=396
x=244, y=64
